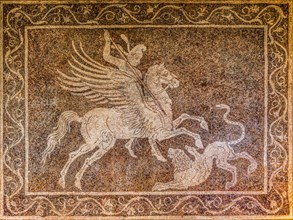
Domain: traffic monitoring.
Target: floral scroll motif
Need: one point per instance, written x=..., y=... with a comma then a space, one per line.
x=19, y=16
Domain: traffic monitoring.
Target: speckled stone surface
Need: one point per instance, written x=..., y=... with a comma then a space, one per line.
x=146, y=110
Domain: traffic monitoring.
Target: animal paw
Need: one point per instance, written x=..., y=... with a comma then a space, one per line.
x=229, y=185
x=188, y=148
x=61, y=182
x=251, y=168
x=198, y=143
x=157, y=187
x=192, y=151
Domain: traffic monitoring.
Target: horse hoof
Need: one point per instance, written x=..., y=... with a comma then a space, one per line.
x=251, y=168
x=161, y=158
x=154, y=188
x=77, y=184
x=132, y=154
x=198, y=144
x=204, y=125
x=61, y=182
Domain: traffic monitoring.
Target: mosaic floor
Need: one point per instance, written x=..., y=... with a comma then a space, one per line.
x=146, y=110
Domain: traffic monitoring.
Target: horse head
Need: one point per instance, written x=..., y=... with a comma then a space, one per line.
x=159, y=75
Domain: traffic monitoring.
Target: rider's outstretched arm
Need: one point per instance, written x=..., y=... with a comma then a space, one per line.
x=107, y=50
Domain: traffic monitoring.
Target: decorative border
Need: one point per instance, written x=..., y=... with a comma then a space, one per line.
x=14, y=22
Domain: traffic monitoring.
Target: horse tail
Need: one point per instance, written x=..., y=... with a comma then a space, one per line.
x=61, y=129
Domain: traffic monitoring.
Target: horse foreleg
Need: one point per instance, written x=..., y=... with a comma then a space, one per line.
x=72, y=157
x=155, y=151
x=163, y=135
x=185, y=116
x=128, y=146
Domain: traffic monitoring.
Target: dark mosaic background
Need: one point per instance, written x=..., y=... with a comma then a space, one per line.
x=214, y=66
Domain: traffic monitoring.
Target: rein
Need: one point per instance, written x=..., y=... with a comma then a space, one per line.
x=145, y=87
x=162, y=90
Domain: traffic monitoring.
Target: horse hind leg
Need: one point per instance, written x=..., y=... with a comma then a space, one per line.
x=72, y=157
x=105, y=146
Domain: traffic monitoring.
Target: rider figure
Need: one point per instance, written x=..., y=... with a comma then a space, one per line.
x=132, y=57
x=128, y=62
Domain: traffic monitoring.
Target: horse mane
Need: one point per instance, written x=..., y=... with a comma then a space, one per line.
x=152, y=71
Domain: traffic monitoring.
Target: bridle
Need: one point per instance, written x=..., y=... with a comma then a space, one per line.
x=163, y=89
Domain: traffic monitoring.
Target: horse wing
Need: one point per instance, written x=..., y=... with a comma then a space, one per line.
x=141, y=120
x=106, y=85
x=137, y=115
x=99, y=83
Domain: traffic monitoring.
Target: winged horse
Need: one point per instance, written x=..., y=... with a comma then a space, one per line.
x=131, y=115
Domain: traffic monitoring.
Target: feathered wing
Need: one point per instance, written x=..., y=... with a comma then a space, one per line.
x=106, y=85
x=96, y=82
